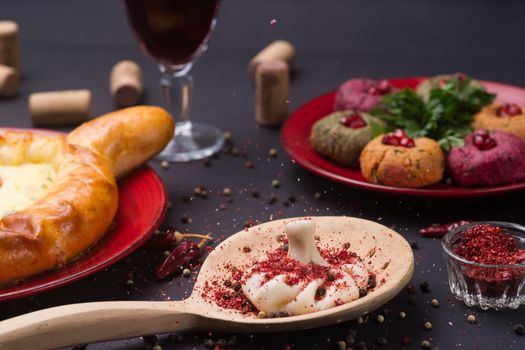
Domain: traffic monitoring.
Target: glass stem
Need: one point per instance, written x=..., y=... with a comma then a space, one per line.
x=177, y=89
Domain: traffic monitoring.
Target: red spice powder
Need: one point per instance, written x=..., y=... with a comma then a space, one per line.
x=228, y=294
x=488, y=244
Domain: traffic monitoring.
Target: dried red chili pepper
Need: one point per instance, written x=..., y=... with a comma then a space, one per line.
x=186, y=255
x=439, y=230
x=169, y=239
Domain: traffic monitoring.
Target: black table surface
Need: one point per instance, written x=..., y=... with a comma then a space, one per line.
x=73, y=44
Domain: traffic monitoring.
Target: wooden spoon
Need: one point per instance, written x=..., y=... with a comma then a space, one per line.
x=387, y=253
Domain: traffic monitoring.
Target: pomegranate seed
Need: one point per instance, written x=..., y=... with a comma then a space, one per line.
x=355, y=121
x=461, y=76
x=383, y=86
x=509, y=110
x=442, y=83
x=483, y=141
x=399, y=133
x=398, y=138
x=482, y=132
x=390, y=140
x=373, y=90
x=478, y=140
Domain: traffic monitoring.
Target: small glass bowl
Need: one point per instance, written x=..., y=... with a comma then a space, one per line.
x=487, y=286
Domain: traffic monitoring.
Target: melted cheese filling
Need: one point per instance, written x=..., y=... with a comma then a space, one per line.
x=22, y=185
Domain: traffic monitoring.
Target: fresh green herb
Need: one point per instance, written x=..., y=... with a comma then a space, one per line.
x=446, y=117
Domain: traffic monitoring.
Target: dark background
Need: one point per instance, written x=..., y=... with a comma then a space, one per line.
x=73, y=44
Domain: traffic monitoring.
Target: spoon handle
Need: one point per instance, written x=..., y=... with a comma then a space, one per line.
x=92, y=322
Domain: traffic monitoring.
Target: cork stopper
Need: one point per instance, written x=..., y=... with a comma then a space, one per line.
x=9, y=81
x=275, y=51
x=272, y=84
x=9, y=44
x=126, y=83
x=60, y=107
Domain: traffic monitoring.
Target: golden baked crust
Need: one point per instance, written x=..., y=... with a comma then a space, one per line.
x=399, y=166
x=80, y=206
x=488, y=119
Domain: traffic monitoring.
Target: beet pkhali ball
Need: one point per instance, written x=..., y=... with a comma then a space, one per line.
x=394, y=159
x=488, y=159
x=341, y=136
x=508, y=117
x=361, y=94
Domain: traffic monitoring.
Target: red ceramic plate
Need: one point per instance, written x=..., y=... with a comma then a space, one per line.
x=296, y=130
x=142, y=206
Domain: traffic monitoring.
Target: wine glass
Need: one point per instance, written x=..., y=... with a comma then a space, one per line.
x=176, y=33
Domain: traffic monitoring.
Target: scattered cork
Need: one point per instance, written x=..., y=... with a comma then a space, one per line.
x=276, y=183
x=9, y=81
x=9, y=45
x=272, y=152
x=165, y=164
x=402, y=315
x=126, y=83
x=186, y=273
x=341, y=345
x=272, y=85
x=226, y=191
x=427, y=326
x=277, y=50
x=60, y=107
x=261, y=314
x=471, y=318
x=380, y=318
x=425, y=344
x=435, y=303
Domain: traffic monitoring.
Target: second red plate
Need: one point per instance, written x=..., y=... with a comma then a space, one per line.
x=141, y=209
x=296, y=131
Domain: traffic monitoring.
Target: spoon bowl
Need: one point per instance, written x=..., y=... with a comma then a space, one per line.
x=384, y=251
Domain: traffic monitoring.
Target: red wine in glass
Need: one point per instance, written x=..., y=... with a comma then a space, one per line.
x=175, y=33
x=172, y=30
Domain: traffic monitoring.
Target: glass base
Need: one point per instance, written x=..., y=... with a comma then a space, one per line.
x=192, y=141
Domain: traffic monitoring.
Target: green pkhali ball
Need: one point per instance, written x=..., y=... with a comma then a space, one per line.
x=341, y=143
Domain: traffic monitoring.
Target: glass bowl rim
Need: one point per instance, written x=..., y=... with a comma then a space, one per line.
x=445, y=243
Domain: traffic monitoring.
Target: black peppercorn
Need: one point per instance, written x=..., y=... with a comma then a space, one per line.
x=424, y=287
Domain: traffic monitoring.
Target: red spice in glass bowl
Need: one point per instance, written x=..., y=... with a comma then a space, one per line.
x=486, y=264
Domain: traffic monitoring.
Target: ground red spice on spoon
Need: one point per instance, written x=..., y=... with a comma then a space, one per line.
x=228, y=293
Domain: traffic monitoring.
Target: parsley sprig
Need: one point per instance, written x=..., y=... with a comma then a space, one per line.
x=446, y=117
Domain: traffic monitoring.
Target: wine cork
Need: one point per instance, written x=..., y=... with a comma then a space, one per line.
x=272, y=84
x=60, y=107
x=126, y=83
x=9, y=45
x=277, y=50
x=9, y=81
